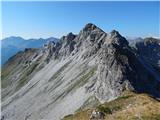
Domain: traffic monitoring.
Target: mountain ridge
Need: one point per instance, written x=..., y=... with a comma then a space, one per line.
x=11, y=45
x=71, y=72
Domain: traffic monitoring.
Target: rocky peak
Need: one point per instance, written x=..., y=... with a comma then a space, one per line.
x=89, y=40
x=89, y=27
x=70, y=36
x=115, y=38
x=90, y=33
x=114, y=33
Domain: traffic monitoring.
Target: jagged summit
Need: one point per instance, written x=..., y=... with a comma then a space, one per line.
x=89, y=26
x=114, y=33
x=70, y=36
x=116, y=38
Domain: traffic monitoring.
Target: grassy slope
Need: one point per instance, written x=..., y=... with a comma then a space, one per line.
x=130, y=106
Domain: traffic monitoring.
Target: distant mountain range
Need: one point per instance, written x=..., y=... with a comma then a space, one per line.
x=11, y=45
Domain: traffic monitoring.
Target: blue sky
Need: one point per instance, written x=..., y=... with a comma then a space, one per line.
x=46, y=19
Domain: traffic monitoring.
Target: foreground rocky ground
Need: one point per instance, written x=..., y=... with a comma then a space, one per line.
x=129, y=106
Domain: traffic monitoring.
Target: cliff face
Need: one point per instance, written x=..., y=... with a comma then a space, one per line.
x=88, y=68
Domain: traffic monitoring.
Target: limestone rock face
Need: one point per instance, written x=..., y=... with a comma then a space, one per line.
x=67, y=45
x=90, y=40
x=120, y=68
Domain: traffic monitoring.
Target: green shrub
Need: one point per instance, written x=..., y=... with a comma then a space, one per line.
x=124, y=97
x=105, y=110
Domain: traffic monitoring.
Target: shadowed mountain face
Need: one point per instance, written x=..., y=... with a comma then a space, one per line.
x=89, y=68
x=149, y=49
x=11, y=45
